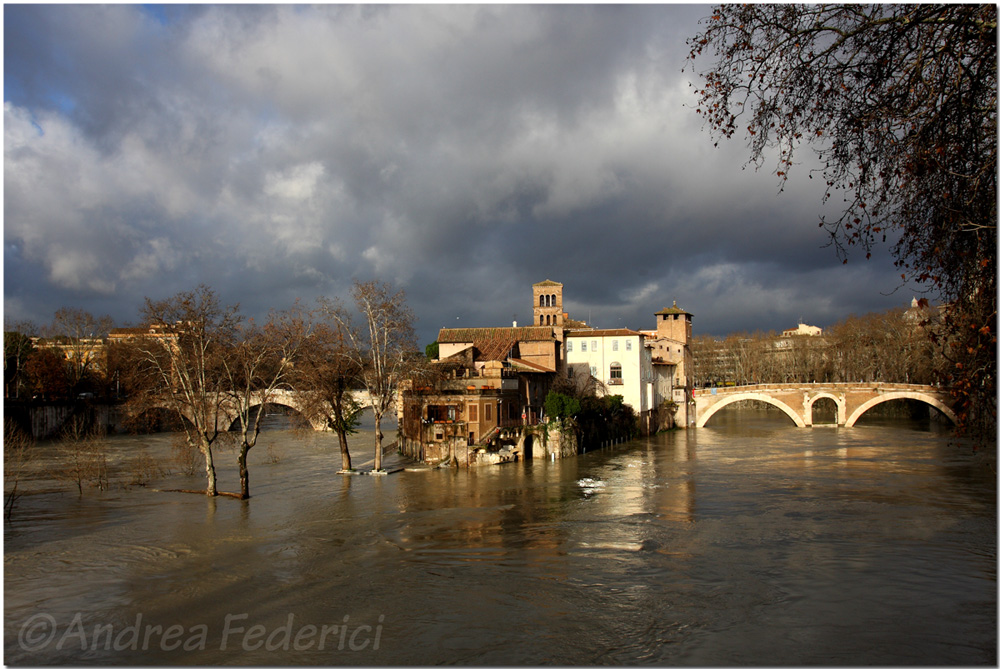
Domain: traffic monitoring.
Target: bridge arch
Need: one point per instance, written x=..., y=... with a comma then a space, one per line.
x=901, y=395
x=738, y=397
x=269, y=406
x=840, y=403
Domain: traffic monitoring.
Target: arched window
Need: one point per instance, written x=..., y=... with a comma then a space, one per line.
x=541, y=300
x=541, y=320
x=553, y=298
x=616, y=374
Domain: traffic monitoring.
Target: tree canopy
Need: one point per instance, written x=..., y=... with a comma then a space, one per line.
x=899, y=105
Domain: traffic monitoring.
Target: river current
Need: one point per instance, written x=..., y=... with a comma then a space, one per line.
x=750, y=542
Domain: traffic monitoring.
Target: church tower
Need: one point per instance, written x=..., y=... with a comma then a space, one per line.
x=548, y=303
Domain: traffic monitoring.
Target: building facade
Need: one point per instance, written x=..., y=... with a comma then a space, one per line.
x=619, y=359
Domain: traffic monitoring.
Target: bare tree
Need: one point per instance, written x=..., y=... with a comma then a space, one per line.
x=83, y=454
x=18, y=452
x=383, y=349
x=183, y=355
x=327, y=374
x=259, y=364
x=82, y=337
x=17, y=346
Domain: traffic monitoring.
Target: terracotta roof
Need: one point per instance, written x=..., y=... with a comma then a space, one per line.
x=530, y=366
x=618, y=332
x=474, y=335
x=495, y=349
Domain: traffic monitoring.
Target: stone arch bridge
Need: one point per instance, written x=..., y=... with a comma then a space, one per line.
x=797, y=400
x=286, y=398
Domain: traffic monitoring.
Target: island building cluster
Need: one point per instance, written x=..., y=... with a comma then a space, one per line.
x=488, y=385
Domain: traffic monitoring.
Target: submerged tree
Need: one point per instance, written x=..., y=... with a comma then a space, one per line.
x=327, y=374
x=257, y=366
x=18, y=453
x=383, y=348
x=899, y=104
x=184, y=360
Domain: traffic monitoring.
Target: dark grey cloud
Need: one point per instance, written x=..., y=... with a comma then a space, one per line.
x=460, y=152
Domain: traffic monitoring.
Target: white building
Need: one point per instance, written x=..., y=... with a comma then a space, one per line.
x=802, y=330
x=617, y=358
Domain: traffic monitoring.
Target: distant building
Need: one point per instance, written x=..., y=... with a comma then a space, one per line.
x=803, y=330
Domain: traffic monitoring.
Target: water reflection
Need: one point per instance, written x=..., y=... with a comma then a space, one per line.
x=747, y=543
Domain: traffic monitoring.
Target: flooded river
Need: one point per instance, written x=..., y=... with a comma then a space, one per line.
x=747, y=543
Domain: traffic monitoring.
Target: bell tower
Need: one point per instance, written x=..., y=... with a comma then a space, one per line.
x=548, y=303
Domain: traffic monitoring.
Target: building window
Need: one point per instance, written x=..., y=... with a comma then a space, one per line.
x=616, y=374
x=583, y=346
x=593, y=371
x=541, y=320
x=473, y=413
x=569, y=345
x=593, y=345
x=541, y=300
x=628, y=344
x=439, y=413
x=489, y=412
x=614, y=345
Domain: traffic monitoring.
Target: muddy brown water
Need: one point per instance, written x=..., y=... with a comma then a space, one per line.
x=750, y=542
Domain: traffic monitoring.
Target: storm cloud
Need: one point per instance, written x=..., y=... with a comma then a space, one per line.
x=462, y=153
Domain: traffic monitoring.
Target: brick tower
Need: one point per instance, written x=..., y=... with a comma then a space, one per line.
x=548, y=303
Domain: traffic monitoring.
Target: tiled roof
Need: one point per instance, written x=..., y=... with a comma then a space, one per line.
x=530, y=366
x=474, y=335
x=495, y=349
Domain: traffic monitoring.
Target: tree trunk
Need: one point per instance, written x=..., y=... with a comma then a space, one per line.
x=209, y=471
x=345, y=454
x=378, y=442
x=244, y=472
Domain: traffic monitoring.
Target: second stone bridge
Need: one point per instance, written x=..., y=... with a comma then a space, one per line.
x=797, y=400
